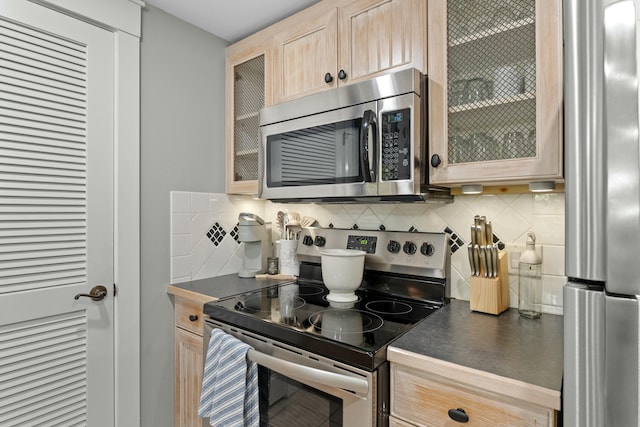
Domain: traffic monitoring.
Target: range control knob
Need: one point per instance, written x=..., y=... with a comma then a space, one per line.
x=409, y=248
x=427, y=249
x=307, y=240
x=393, y=246
x=320, y=241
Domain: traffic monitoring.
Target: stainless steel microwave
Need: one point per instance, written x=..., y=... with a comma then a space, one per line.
x=364, y=142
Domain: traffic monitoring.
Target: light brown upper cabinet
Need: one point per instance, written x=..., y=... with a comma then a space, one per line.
x=248, y=88
x=324, y=48
x=495, y=91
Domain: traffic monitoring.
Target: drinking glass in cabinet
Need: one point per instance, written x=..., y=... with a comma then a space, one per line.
x=481, y=145
x=512, y=145
x=477, y=90
x=458, y=148
x=458, y=93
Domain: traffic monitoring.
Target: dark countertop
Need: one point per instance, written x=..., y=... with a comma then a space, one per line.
x=507, y=345
x=218, y=287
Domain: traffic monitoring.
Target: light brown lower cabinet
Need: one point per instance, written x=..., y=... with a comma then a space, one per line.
x=395, y=422
x=189, y=362
x=423, y=399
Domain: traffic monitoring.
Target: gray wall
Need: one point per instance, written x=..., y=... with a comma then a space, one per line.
x=182, y=149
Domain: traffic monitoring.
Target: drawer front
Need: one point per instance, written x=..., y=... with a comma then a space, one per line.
x=395, y=422
x=189, y=315
x=425, y=401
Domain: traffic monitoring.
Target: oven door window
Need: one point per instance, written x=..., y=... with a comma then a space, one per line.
x=288, y=403
x=319, y=155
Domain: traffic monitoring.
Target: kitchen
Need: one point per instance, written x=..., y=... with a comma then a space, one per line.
x=512, y=215
x=182, y=112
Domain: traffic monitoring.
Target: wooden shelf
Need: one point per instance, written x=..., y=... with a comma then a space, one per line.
x=492, y=31
x=492, y=102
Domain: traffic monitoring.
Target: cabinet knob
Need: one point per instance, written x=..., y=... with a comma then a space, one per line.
x=435, y=161
x=193, y=317
x=342, y=75
x=328, y=78
x=458, y=415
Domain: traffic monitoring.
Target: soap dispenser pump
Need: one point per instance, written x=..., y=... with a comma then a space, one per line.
x=530, y=280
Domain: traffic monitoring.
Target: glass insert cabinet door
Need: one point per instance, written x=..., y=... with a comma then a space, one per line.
x=491, y=80
x=496, y=89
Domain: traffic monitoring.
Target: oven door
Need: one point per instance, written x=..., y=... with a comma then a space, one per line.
x=298, y=389
x=326, y=155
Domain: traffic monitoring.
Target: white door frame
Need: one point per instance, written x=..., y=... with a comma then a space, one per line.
x=123, y=17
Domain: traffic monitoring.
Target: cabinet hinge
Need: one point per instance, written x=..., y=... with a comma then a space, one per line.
x=115, y=290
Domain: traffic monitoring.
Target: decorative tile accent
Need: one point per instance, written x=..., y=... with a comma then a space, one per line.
x=216, y=234
x=455, y=241
x=234, y=233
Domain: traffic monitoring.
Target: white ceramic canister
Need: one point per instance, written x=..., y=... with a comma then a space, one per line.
x=286, y=250
x=342, y=271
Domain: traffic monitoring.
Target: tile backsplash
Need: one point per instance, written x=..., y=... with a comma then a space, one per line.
x=203, y=240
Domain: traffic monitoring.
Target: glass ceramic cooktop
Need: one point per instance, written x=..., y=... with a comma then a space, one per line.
x=300, y=315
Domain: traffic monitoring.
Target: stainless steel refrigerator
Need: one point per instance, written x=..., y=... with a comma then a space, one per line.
x=602, y=171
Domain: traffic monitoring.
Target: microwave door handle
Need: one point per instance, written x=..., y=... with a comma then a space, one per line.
x=367, y=147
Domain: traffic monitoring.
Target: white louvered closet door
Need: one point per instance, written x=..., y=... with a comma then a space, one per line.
x=56, y=218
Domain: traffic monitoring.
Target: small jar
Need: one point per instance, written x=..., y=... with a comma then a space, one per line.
x=272, y=265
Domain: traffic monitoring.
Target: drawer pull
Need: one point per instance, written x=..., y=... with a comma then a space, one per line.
x=458, y=415
x=193, y=317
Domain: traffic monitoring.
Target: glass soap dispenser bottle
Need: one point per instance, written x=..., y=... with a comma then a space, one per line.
x=530, y=280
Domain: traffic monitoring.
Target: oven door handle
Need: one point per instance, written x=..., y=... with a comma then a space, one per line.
x=306, y=373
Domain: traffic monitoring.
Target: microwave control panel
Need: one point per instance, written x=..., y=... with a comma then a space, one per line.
x=396, y=145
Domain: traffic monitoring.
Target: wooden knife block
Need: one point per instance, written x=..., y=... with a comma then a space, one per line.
x=491, y=295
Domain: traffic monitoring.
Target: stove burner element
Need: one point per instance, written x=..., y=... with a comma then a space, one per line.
x=345, y=324
x=252, y=304
x=388, y=307
x=310, y=290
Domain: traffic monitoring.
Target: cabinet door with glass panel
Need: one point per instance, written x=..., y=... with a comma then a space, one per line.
x=495, y=91
x=248, y=88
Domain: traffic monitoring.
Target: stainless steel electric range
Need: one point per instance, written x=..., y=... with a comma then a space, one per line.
x=327, y=357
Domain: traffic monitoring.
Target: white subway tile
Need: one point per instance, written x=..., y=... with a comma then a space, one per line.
x=201, y=223
x=553, y=260
x=200, y=253
x=180, y=223
x=180, y=245
x=368, y=220
x=552, y=288
x=549, y=229
x=489, y=205
x=180, y=201
x=549, y=203
x=510, y=225
x=457, y=215
x=200, y=202
x=180, y=267
x=523, y=205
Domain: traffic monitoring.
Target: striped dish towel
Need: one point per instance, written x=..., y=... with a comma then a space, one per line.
x=229, y=394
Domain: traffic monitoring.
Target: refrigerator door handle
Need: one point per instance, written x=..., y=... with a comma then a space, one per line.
x=621, y=140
